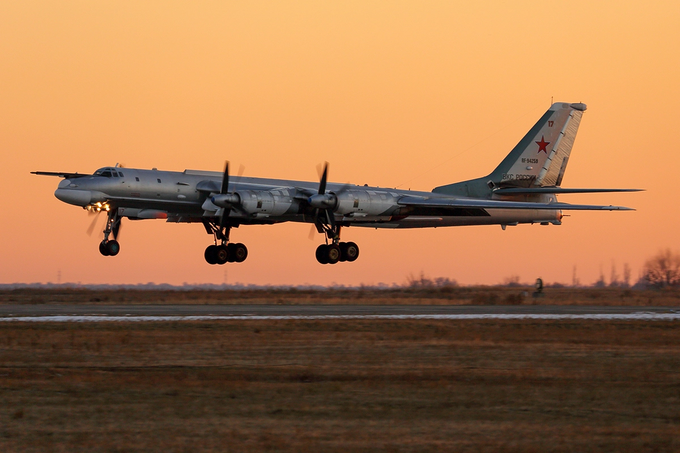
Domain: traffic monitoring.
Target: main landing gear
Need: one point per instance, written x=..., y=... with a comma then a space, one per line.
x=223, y=252
x=335, y=251
x=111, y=247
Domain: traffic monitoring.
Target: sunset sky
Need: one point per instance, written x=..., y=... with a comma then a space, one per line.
x=392, y=93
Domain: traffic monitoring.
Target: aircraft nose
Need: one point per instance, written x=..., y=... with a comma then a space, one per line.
x=73, y=196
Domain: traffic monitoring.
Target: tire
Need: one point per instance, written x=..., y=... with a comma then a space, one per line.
x=113, y=247
x=211, y=254
x=351, y=252
x=321, y=255
x=102, y=248
x=221, y=254
x=231, y=249
x=343, y=251
x=333, y=254
x=240, y=253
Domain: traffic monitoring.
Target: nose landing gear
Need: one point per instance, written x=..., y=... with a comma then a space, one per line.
x=111, y=247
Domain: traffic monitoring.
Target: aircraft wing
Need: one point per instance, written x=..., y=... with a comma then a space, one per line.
x=555, y=190
x=453, y=203
x=61, y=174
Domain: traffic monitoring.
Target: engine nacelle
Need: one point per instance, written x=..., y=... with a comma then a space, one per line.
x=262, y=203
x=366, y=202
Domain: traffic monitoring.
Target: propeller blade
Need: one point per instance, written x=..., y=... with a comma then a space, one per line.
x=90, y=229
x=224, y=217
x=324, y=178
x=343, y=189
x=225, y=178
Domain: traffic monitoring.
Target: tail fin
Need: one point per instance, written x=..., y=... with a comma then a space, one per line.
x=541, y=157
x=538, y=160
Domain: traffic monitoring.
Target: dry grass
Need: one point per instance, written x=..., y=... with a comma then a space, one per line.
x=340, y=386
x=447, y=295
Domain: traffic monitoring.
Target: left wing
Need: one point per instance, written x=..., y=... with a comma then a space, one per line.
x=453, y=203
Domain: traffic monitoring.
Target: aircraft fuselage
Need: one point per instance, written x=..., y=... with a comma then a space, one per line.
x=185, y=197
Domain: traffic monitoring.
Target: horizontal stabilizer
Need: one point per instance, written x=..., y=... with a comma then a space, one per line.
x=454, y=203
x=555, y=190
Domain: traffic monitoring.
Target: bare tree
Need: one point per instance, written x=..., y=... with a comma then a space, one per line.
x=614, y=276
x=512, y=281
x=575, y=282
x=663, y=269
x=626, y=275
x=601, y=283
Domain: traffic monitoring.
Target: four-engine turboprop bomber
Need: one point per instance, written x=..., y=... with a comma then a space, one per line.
x=522, y=189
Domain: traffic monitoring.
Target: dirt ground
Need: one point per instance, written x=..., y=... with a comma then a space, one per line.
x=332, y=386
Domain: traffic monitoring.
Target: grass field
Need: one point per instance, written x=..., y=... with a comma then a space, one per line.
x=446, y=295
x=361, y=385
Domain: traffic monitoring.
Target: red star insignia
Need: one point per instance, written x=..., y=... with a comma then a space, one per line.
x=543, y=145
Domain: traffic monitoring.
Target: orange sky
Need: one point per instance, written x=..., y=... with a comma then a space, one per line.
x=391, y=93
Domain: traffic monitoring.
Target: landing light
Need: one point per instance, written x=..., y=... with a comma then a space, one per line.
x=98, y=207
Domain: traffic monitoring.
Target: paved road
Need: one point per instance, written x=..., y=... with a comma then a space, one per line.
x=317, y=310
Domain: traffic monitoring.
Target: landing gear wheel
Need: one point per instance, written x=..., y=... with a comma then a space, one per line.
x=350, y=251
x=221, y=254
x=103, y=249
x=211, y=254
x=321, y=255
x=113, y=247
x=231, y=250
x=343, y=251
x=332, y=253
x=240, y=253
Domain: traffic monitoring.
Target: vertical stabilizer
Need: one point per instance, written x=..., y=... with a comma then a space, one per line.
x=541, y=157
x=538, y=160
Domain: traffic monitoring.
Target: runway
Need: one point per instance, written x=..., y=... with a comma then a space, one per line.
x=155, y=313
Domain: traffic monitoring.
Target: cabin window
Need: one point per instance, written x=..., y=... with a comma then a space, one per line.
x=159, y=180
x=137, y=178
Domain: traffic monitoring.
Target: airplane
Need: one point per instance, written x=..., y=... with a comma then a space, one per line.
x=522, y=189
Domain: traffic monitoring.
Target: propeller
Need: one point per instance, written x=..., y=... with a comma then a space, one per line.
x=323, y=200
x=90, y=229
x=225, y=199
x=115, y=228
x=325, y=203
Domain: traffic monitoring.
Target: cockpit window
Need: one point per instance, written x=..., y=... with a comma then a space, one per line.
x=106, y=172
x=115, y=174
